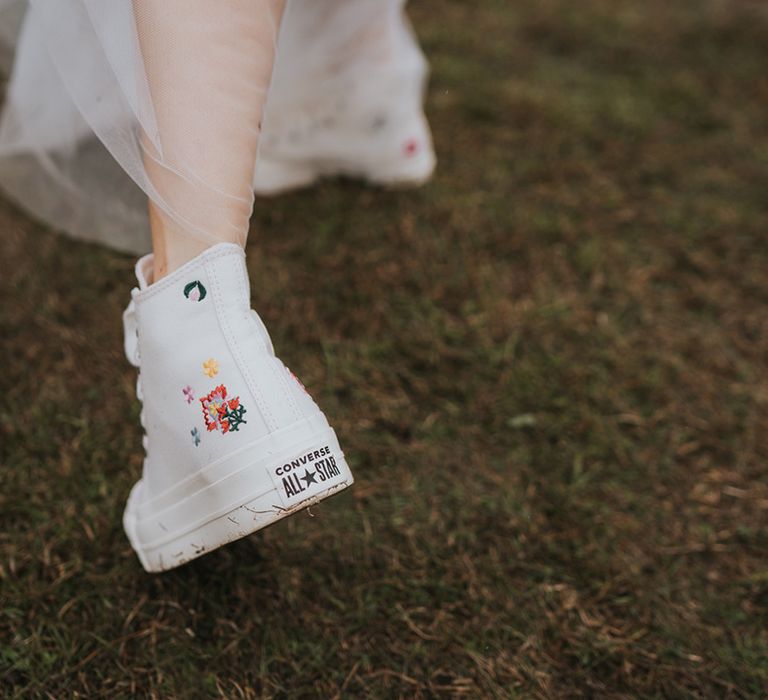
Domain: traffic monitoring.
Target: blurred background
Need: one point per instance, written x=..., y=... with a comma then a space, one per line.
x=548, y=368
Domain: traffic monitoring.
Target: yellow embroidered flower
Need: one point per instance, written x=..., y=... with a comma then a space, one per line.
x=211, y=367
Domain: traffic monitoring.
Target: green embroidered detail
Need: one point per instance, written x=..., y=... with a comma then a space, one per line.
x=235, y=417
x=195, y=291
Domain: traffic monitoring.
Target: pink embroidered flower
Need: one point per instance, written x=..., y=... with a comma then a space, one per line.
x=410, y=147
x=189, y=394
x=298, y=381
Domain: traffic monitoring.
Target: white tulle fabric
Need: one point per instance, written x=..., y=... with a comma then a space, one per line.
x=168, y=94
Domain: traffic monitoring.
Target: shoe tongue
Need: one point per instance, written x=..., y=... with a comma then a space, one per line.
x=145, y=268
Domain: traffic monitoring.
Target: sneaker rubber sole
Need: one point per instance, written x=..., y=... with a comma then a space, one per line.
x=258, y=485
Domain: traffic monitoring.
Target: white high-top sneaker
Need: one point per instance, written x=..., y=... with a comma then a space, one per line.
x=233, y=441
x=374, y=130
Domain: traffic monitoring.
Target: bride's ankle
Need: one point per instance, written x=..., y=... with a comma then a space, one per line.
x=173, y=246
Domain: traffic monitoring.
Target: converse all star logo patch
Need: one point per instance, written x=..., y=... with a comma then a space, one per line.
x=221, y=412
x=310, y=473
x=195, y=291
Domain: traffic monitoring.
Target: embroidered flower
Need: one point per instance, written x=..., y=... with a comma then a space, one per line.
x=189, y=394
x=234, y=415
x=195, y=291
x=410, y=147
x=195, y=433
x=298, y=381
x=378, y=122
x=222, y=413
x=211, y=367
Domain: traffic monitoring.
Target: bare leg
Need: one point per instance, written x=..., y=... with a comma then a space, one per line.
x=207, y=65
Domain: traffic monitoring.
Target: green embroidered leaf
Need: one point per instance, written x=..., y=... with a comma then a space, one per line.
x=195, y=285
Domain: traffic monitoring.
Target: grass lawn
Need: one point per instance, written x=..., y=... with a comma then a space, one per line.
x=548, y=368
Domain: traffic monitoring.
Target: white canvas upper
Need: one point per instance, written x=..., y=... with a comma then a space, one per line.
x=221, y=414
x=374, y=129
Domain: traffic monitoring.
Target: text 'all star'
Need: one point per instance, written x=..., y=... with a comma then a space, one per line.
x=309, y=473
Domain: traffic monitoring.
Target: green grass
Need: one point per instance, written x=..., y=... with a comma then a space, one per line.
x=549, y=369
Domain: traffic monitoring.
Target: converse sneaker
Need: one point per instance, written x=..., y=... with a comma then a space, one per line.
x=375, y=131
x=233, y=441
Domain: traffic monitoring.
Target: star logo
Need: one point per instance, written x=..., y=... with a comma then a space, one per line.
x=309, y=477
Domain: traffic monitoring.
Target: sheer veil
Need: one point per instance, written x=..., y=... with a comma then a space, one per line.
x=84, y=135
